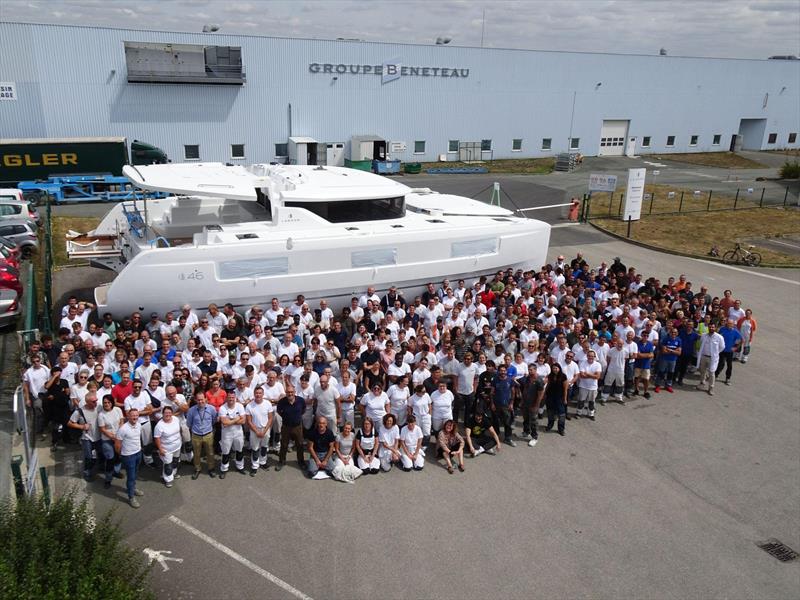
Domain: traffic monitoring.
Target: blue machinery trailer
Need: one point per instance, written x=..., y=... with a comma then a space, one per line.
x=85, y=188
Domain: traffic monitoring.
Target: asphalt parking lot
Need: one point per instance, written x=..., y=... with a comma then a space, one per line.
x=660, y=498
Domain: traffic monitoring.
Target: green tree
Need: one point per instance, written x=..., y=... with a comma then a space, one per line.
x=62, y=552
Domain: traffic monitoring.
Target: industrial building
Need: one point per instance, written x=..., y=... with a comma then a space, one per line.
x=246, y=99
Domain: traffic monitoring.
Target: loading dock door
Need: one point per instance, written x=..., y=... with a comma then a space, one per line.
x=612, y=138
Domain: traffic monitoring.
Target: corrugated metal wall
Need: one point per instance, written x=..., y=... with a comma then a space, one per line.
x=71, y=81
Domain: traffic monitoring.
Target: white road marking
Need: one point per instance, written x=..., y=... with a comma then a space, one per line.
x=716, y=264
x=240, y=559
x=560, y=225
x=161, y=556
x=696, y=174
x=785, y=243
x=654, y=164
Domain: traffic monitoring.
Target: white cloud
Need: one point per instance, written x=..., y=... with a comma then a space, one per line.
x=734, y=28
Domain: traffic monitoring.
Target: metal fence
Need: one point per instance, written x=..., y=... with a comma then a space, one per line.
x=605, y=205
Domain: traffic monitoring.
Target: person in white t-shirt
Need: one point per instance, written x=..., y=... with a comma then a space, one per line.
x=412, y=454
x=389, y=440
x=398, y=400
x=420, y=406
x=231, y=417
x=375, y=403
x=260, y=414
x=141, y=402
x=588, y=377
x=85, y=420
x=167, y=437
x=129, y=447
x=442, y=403
x=347, y=400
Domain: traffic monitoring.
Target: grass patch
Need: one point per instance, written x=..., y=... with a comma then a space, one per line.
x=684, y=200
x=528, y=166
x=725, y=160
x=696, y=233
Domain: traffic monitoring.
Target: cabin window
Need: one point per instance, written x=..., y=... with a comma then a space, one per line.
x=473, y=247
x=377, y=257
x=253, y=268
x=346, y=211
x=191, y=152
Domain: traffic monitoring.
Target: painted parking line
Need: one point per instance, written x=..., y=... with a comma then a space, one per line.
x=773, y=241
x=240, y=559
x=749, y=272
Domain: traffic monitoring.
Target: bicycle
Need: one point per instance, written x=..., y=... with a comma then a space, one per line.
x=741, y=255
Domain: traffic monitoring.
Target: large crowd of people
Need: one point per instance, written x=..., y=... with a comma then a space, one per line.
x=462, y=369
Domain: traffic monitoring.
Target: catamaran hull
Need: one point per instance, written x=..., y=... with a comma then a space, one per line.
x=161, y=281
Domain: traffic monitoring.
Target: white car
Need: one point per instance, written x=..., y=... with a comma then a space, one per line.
x=14, y=206
x=9, y=307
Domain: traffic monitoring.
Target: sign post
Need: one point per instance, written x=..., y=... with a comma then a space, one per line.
x=634, y=194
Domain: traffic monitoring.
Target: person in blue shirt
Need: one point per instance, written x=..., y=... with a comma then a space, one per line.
x=733, y=340
x=642, y=364
x=689, y=337
x=668, y=358
x=503, y=389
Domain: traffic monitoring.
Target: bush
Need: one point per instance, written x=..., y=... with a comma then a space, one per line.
x=60, y=552
x=790, y=170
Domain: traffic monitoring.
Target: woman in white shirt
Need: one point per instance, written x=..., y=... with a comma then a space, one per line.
x=412, y=454
x=375, y=403
x=388, y=440
x=542, y=367
x=344, y=447
x=398, y=400
x=442, y=403
x=167, y=437
x=419, y=405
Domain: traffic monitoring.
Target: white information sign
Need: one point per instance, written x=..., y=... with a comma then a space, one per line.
x=8, y=90
x=599, y=182
x=634, y=194
x=397, y=147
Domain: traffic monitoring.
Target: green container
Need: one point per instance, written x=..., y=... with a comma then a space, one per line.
x=412, y=168
x=361, y=165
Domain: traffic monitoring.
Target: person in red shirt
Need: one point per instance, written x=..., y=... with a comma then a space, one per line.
x=216, y=396
x=122, y=390
x=487, y=297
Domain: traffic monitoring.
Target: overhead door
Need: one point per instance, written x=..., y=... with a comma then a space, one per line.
x=612, y=138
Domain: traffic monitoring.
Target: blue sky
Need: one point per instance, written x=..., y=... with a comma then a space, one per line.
x=720, y=28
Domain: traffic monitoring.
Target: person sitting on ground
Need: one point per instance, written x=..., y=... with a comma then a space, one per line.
x=388, y=439
x=452, y=445
x=412, y=454
x=320, y=448
x=481, y=436
x=367, y=447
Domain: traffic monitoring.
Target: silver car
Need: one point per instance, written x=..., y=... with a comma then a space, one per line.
x=9, y=307
x=21, y=232
x=13, y=208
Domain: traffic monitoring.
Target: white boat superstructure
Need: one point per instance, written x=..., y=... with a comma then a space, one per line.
x=243, y=235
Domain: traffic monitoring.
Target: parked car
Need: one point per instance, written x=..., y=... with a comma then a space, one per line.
x=13, y=205
x=9, y=307
x=9, y=278
x=11, y=246
x=12, y=259
x=23, y=232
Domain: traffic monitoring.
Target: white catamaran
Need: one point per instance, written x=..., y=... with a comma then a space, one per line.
x=245, y=234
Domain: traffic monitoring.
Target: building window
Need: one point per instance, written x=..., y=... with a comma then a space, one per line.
x=452, y=146
x=486, y=145
x=646, y=141
x=717, y=139
x=670, y=141
x=547, y=143
x=191, y=152
x=773, y=137
x=693, y=140
x=419, y=147
x=516, y=145
x=792, y=138
x=574, y=143
x=281, y=150
x=237, y=151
